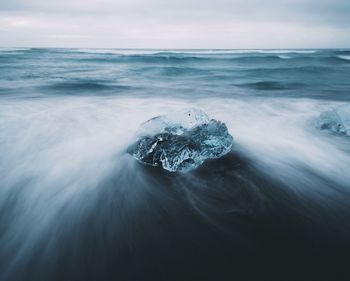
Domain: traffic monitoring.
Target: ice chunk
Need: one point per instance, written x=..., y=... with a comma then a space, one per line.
x=179, y=120
x=182, y=140
x=337, y=120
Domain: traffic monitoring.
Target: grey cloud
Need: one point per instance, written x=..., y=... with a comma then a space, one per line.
x=324, y=22
x=325, y=9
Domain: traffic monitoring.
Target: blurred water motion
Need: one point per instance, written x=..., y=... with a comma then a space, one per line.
x=75, y=206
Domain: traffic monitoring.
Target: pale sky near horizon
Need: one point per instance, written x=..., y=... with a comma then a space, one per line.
x=175, y=23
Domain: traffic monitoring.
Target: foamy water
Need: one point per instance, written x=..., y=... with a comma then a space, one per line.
x=70, y=191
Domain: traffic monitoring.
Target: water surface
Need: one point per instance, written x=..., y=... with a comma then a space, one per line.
x=75, y=206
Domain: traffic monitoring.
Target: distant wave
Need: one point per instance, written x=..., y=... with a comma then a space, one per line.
x=174, y=70
x=194, y=55
x=344, y=57
x=286, y=51
x=188, y=51
x=287, y=70
x=13, y=49
x=176, y=52
x=168, y=57
x=271, y=85
x=106, y=71
x=284, y=57
x=342, y=52
x=256, y=58
x=144, y=58
x=116, y=51
x=76, y=86
x=330, y=58
x=235, y=52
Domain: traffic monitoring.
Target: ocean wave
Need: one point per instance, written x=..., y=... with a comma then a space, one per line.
x=115, y=51
x=173, y=70
x=344, y=57
x=284, y=57
x=295, y=69
x=256, y=58
x=4, y=49
x=232, y=52
x=295, y=58
x=271, y=85
x=299, y=58
x=86, y=86
x=143, y=59
x=282, y=51
x=342, y=52
x=190, y=51
x=317, y=59
x=166, y=58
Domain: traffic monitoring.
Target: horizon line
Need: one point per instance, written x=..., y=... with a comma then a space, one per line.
x=166, y=48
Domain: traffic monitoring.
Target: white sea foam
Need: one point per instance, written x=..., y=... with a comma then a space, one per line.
x=58, y=143
x=55, y=153
x=280, y=135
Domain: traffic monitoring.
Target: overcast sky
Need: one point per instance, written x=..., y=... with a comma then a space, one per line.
x=175, y=23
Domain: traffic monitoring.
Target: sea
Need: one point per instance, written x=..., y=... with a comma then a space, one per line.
x=75, y=205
